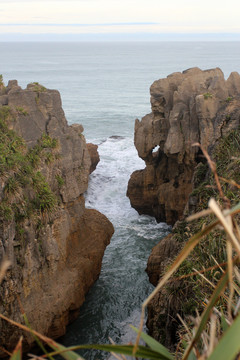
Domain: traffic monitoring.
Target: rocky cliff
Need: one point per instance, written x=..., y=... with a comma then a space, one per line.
x=189, y=107
x=54, y=244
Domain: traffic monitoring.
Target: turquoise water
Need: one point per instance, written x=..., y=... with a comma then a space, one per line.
x=105, y=86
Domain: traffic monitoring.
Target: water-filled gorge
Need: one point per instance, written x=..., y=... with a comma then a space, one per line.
x=105, y=87
x=115, y=300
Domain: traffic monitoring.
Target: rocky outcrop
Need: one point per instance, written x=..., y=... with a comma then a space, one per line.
x=189, y=107
x=195, y=106
x=92, y=149
x=54, y=244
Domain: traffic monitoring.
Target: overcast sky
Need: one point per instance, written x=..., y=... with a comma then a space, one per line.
x=104, y=17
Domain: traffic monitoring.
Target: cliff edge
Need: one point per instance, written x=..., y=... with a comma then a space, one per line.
x=188, y=107
x=54, y=244
x=191, y=107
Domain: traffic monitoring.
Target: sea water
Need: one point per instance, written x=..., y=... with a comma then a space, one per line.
x=105, y=87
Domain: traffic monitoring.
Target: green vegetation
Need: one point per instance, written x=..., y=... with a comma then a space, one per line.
x=45, y=200
x=48, y=142
x=5, y=211
x=1, y=80
x=207, y=95
x=21, y=111
x=60, y=181
x=38, y=87
x=212, y=249
x=26, y=193
x=2, y=85
x=229, y=99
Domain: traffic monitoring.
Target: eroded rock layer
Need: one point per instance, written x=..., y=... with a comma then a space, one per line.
x=191, y=107
x=55, y=255
x=195, y=106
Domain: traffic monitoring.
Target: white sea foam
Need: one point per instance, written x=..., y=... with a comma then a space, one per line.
x=108, y=183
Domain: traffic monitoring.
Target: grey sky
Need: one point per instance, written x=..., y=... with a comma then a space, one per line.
x=119, y=16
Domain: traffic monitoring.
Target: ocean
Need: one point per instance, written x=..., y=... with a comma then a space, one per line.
x=105, y=87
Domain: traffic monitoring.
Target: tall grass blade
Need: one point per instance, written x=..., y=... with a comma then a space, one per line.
x=234, y=210
x=64, y=352
x=192, y=356
x=229, y=345
x=214, y=206
x=154, y=345
x=190, y=245
x=224, y=324
x=17, y=353
x=142, y=352
x=207, y=312
x=36, y=338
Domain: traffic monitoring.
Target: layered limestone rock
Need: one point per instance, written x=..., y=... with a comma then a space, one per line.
x=55, y=255
x=189, y=107
x=195, y=106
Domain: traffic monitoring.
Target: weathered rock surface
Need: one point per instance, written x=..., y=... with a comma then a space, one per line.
x=189, y=107
x=195, y=106
x=92, y=149
x=55, y=262
x=162, y=319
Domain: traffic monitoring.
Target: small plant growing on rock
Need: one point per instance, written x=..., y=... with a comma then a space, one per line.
x=38, y=87
x=47, y=142
x=49, y=158
x=6, y=213
x=45, y=200
x=2, y=86
x=21, y=111
x=12, y=186
x=207, y=95
x=4, y=115
x=60, y=181
x=26, y=192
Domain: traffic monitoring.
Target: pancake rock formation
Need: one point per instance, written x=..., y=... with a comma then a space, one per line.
x=54, y=243
x=191, y=107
